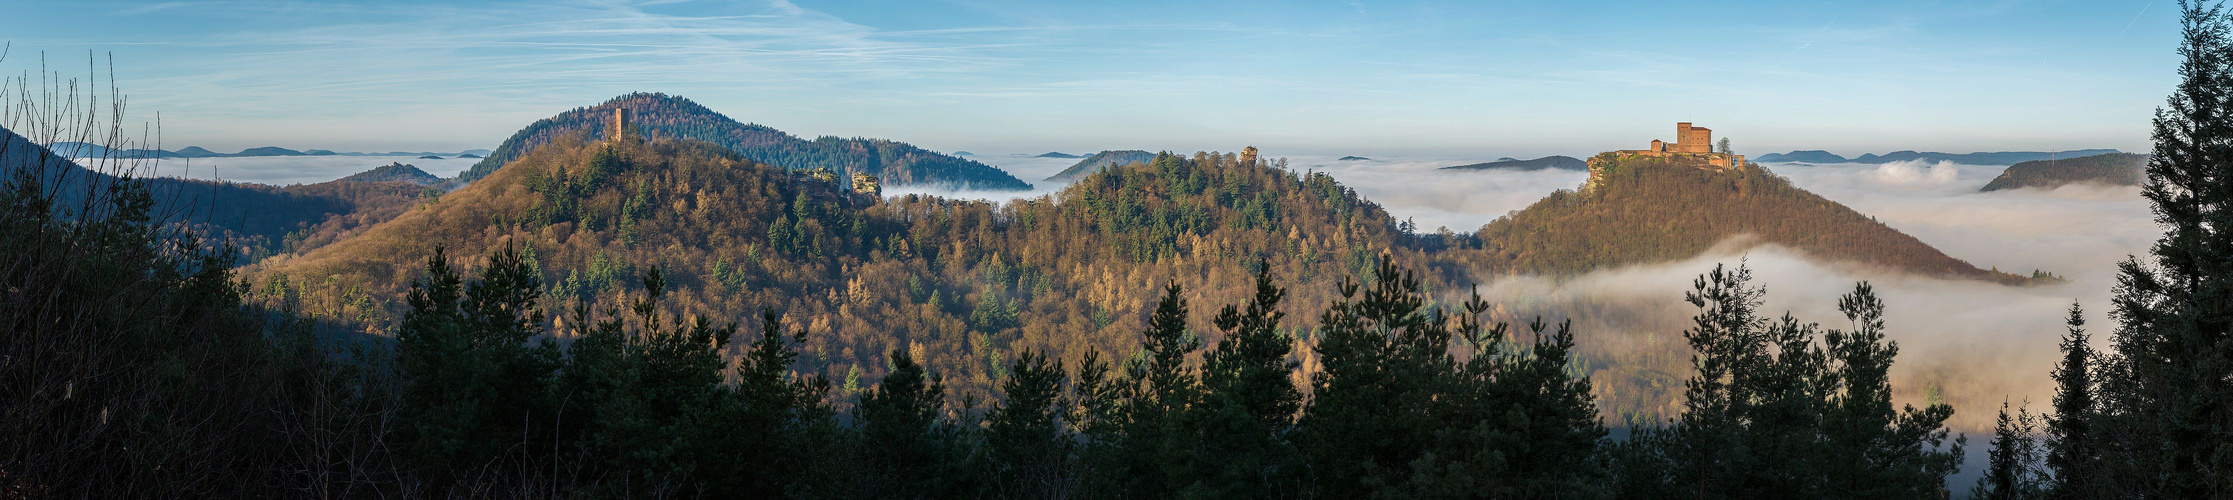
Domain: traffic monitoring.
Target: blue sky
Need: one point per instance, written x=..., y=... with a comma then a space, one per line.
x=1374, y=78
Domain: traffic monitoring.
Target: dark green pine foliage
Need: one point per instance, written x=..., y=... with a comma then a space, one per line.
x=1770, y=414
x=1248, y=408
x=472, y=381
x=2012, y=468
x=2170, y=383
x=1028, y=437
x=2072, y=454
x=907, y=450
x=1396, y=414
x=1149, y=450
x=1371, y=415
x=1874, y=451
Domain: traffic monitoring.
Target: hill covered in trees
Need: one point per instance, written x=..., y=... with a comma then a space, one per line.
x=1547, y=162
x=964, y=284
x=394, y=172
x=1099, y=161
x=1646, y=210
x=2116, y=169
x=896, y=163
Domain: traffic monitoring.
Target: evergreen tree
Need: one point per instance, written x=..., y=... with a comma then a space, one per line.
x=909, y=451
x=2170, y=384
x=2071, y=453
x=1772, y=415
x=1249, y=405
x=1032, y=451
x=1372, y=414
x=472, y=380
x=1152, y=452
x=2012, y=467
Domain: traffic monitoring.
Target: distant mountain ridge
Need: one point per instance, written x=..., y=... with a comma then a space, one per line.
x=1101, y=160
x=661, y=115
x=73, y=149
x=1992, y=158
x=1548, y=162
x=2117, y=169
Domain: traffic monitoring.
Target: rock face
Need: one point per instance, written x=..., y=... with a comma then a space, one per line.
x=2116, y=169
x=1547, y=162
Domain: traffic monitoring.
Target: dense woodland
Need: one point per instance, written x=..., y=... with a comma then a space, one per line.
x=896, y=163
x=917, y=347
x=2115, y=169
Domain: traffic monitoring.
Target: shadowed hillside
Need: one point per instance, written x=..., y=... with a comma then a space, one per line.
x=897, y=163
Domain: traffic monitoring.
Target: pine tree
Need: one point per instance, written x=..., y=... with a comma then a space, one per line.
x=1032, y=451
x=1386, y=361
x=472, y=379
x=2071, y=453
x=1152, y=450
x=1248, y=405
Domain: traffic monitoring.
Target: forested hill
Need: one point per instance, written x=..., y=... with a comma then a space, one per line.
x=963, y=284
x=896, y=163
x=1650, y=210
x=1099, y=161
x=2117, y=169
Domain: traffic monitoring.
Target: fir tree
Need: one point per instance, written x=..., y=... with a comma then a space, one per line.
x=2170, y=383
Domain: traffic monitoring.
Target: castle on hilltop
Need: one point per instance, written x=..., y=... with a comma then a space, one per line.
x=1691, y=143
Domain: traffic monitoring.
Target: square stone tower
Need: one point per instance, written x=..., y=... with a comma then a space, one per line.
x=619, y=124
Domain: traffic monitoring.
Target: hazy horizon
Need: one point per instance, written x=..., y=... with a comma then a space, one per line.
x=1321, y=78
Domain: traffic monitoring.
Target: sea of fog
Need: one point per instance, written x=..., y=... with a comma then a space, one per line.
x=286, y=170
x=1981, y=343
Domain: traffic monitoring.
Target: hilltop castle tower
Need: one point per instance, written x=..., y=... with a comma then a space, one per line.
x=619, y=125
x=1691, y=142
x=1248, y=156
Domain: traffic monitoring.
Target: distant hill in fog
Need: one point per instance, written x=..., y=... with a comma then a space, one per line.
x=2118, y=169
x=1993, y=158
x=1547, y=162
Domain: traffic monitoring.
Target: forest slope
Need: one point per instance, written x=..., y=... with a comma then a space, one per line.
x=896, y=163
